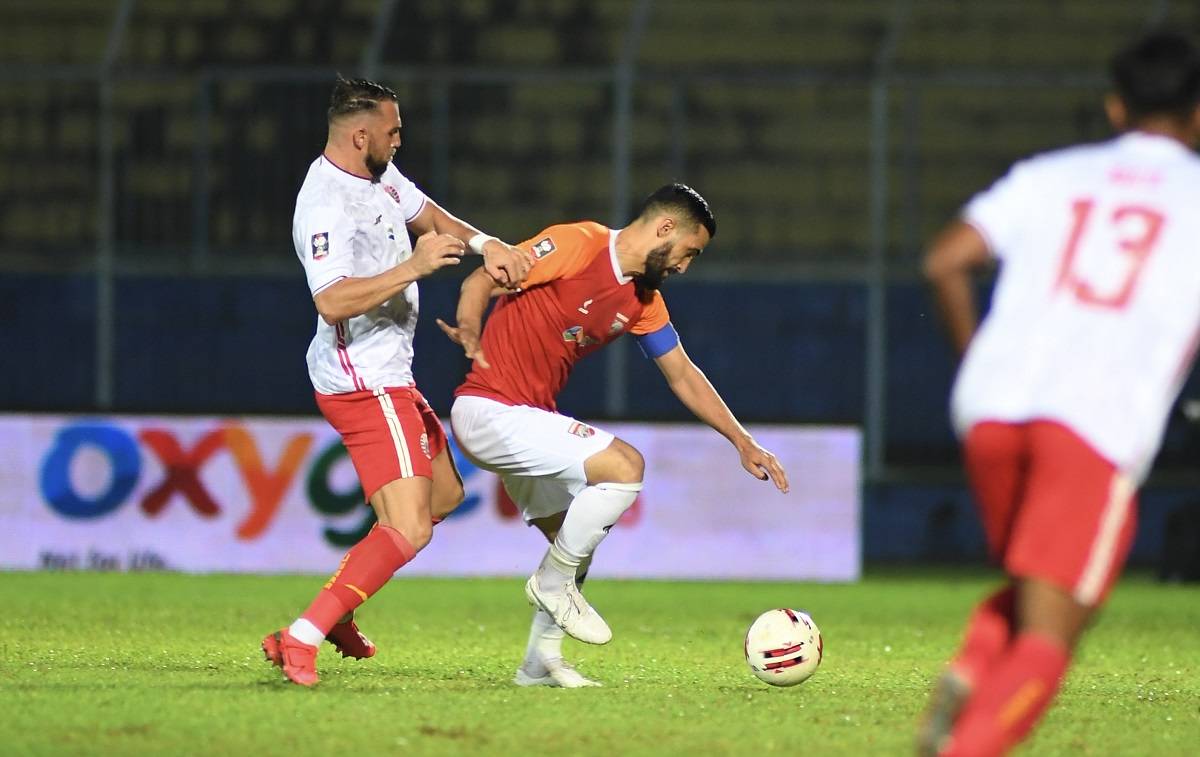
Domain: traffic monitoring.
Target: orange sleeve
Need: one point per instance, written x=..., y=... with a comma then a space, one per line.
x=654, y=316
x=561, y=251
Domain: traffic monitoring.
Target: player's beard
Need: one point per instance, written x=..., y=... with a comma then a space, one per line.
x=656, y=268
x=376, y=166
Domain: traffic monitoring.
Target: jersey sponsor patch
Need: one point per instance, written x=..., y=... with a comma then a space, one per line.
x=320, y=245
x=575, y=334
x=543, y=247
x=582, y=430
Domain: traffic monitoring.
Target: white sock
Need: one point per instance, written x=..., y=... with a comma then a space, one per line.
x=591, y=514
x=306, y=633
x=545, y=643
x=545, y=637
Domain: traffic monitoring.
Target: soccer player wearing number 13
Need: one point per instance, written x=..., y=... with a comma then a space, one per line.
x=1065, y=389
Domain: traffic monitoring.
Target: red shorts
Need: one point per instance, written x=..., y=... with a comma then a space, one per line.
x=390, y=433
x=1052, y=507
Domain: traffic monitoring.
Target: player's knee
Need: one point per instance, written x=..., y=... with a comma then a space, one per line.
x=619, y=463
x=419, y=533
x=630, y=467
x=413, y=522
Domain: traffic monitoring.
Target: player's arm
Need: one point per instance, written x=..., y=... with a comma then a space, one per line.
x=352, y=296
x=477, y=291
x=697, y=393
x=478, y=288
x=950, y=264
x=506, y=264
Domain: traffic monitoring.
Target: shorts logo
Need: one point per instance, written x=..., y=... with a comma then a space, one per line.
x=392, y=192
x=320, y=245
x=425, y=445
x=582, y=430
x=543, y=248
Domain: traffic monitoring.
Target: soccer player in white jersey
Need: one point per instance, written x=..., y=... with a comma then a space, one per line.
x=1065, y=388
x=350, y=230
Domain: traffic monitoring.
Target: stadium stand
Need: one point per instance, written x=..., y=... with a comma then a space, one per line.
x=208, y=154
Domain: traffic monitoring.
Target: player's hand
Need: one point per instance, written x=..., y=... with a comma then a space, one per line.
x=763, y=465
x=468, y=338
x=507, y=265
x=435, y=251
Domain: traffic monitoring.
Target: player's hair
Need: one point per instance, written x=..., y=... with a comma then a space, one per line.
x=352, y=96
x=1158, y=74
x=682, y=199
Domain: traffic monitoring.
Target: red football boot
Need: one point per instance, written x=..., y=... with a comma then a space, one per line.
x=347, y=639
x=297, y=659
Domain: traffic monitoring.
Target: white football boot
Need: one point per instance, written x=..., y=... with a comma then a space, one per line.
x=570, y=611
x=559, y=673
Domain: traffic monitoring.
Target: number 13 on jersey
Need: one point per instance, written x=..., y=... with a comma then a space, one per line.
x=1136, y=230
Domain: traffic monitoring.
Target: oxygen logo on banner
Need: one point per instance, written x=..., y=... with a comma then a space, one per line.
x=280, y=495
x=181, y=467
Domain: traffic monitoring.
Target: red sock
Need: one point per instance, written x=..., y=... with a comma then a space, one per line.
x=364, y=570
x=989, y=631
x=1010, y=698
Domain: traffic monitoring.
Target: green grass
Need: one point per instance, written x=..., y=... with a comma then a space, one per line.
x=169, y=664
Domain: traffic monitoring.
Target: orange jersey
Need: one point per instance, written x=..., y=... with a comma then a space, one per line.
x=574, y=302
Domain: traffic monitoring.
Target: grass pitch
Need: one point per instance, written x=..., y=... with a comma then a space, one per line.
x=169, y=664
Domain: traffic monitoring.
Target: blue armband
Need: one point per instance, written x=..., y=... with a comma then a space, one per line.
x=658, y=343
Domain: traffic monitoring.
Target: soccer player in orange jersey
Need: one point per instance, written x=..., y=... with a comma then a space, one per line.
x=588, y=286
x=1065, y=387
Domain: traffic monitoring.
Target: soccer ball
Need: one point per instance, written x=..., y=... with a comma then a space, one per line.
x=783, y=647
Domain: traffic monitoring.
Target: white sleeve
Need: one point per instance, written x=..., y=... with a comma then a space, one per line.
x=324, y=239
x=412, y=199
x=1001, y=211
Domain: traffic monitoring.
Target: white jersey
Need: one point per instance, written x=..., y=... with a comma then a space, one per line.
x=1096, y=314
x=348, y=226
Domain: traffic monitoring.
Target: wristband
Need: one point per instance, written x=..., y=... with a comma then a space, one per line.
x=478, y=241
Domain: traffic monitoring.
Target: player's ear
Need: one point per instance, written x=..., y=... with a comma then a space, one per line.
x=1118, y=114
x=666, y=226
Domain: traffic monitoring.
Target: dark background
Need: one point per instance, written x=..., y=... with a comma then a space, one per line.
x=150, y=153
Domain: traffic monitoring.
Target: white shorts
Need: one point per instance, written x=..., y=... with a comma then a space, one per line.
x=539, y=455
